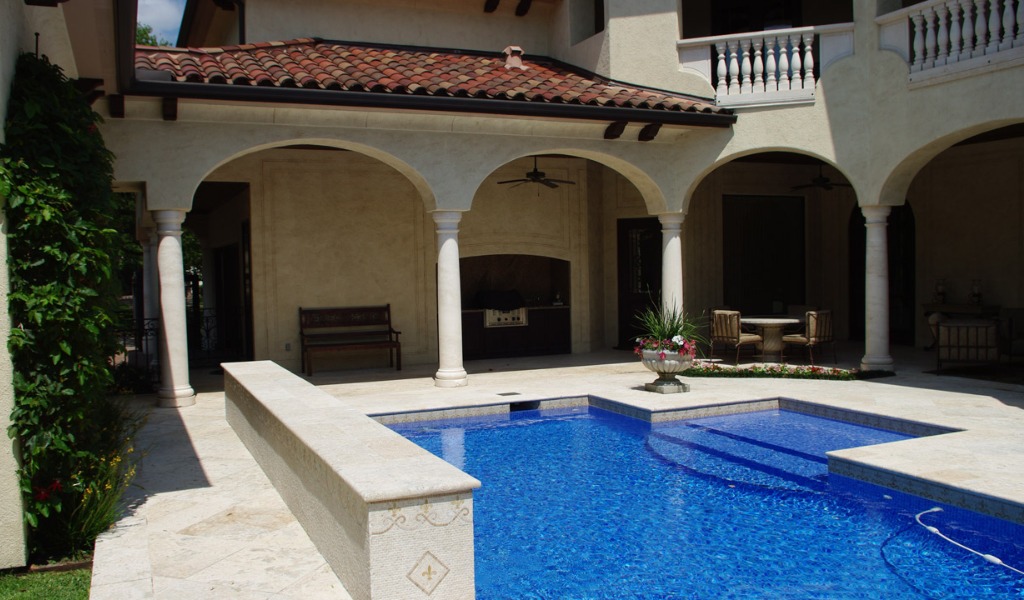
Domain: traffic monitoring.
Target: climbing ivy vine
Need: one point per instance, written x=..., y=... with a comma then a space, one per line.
x=55, y=177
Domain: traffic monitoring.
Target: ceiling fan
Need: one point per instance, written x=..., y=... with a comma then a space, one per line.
x=536, y=176
x=821, y=182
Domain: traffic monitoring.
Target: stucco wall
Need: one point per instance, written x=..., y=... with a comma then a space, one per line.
x=440, y=24
x=12, y=530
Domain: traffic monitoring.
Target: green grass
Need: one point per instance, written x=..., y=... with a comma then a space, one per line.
x=48, y=585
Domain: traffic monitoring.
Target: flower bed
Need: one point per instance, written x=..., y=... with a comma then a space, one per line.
x=709, y=369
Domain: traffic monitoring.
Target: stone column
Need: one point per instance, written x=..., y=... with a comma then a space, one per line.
x=450, y=372
x=671, y=261
x=150, y=295
x=876, y=291
x=175, y=390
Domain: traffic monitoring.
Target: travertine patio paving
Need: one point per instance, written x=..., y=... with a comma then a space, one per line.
x=208, y=524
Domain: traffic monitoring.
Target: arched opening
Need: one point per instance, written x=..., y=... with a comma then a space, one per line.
x=559, y=248
x=969, y=214
x=766, y=235
x=303, y=226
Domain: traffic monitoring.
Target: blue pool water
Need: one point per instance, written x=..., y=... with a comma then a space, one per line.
x=586, y=504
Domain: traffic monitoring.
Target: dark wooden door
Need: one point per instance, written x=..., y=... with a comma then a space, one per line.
x=639, y=244
x=763, y=253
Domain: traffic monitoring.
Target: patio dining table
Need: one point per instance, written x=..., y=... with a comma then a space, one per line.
x=771, y=333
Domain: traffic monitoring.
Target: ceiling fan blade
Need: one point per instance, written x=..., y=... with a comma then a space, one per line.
x=803, y=187
x=547, y=182
x=565, y=181
x=513, y=181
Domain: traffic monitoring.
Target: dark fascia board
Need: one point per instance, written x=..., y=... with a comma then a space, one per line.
x=125, y=16
x=210, y=91
x=188, y=16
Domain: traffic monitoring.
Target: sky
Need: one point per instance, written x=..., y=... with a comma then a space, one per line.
x=164, y=16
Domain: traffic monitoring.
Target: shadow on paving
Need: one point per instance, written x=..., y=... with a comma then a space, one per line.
x=168, y=462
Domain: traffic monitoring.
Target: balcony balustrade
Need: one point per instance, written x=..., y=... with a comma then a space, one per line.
x=766, y=67
x=940, y=39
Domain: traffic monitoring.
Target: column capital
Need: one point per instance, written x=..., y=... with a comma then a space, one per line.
x=446, y=220
x=876, y=214
x=168, y=221
x=671, y=220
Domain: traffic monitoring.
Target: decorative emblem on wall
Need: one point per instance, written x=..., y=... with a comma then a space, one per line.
x=427, y=573
x=417, y=514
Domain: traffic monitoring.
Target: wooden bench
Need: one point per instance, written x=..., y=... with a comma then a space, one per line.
x=342, y=329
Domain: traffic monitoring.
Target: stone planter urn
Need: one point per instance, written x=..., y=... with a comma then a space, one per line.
x=666, y=368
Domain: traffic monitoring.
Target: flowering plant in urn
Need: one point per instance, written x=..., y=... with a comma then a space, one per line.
x=667, y=345
x=667, y=331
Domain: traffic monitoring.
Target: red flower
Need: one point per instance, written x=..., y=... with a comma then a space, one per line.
x=42, y=494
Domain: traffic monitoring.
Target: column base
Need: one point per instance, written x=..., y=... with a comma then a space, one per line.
x=176, y=398
x=877, y=363
x=450, y=378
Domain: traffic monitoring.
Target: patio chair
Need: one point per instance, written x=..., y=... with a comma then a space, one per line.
x=798, y=311
x=817, y=331
x=726, y=331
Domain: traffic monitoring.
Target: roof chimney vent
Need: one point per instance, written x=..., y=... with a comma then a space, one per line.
x=514, y=58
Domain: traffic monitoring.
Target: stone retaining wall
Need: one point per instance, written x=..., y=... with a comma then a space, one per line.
x=392, y=520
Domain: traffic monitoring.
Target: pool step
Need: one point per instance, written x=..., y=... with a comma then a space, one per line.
x=737, y=459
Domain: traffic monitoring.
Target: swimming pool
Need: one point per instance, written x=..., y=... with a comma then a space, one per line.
x=584, y=503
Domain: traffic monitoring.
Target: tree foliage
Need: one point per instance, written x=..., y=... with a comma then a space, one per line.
x=55, y=173
x=144, y=36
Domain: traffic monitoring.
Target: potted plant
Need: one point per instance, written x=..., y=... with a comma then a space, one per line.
x=667, y=346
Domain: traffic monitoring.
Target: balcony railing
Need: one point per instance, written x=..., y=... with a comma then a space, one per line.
x=766, y=67
x=942, y=38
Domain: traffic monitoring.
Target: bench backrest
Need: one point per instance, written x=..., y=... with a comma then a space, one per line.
x=345, y=317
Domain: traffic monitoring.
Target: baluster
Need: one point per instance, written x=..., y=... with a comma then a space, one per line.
x=918, y=63
x=1008, y=20
x=734, y=68
x=929, y=38
x=980, y=28
x=968, y=30
x=796, y=74
x=994, y=23
x=1019, y=40
x=943, y=36
x=783, y=63
x=771, y=83
x=722, y=88
x=758, y=65
x=808, y=61
x=954, y=31
x=745, y=86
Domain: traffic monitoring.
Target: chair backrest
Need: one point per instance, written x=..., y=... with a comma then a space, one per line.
x=819, y=326
x=725, y=326
x=799, y=310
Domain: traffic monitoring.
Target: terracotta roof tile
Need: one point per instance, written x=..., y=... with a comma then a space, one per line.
x=316, y=64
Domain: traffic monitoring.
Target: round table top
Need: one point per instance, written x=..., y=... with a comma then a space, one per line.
x=769, y=320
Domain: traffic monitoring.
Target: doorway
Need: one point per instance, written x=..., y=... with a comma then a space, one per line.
x=639, y=271
x=763, y=253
